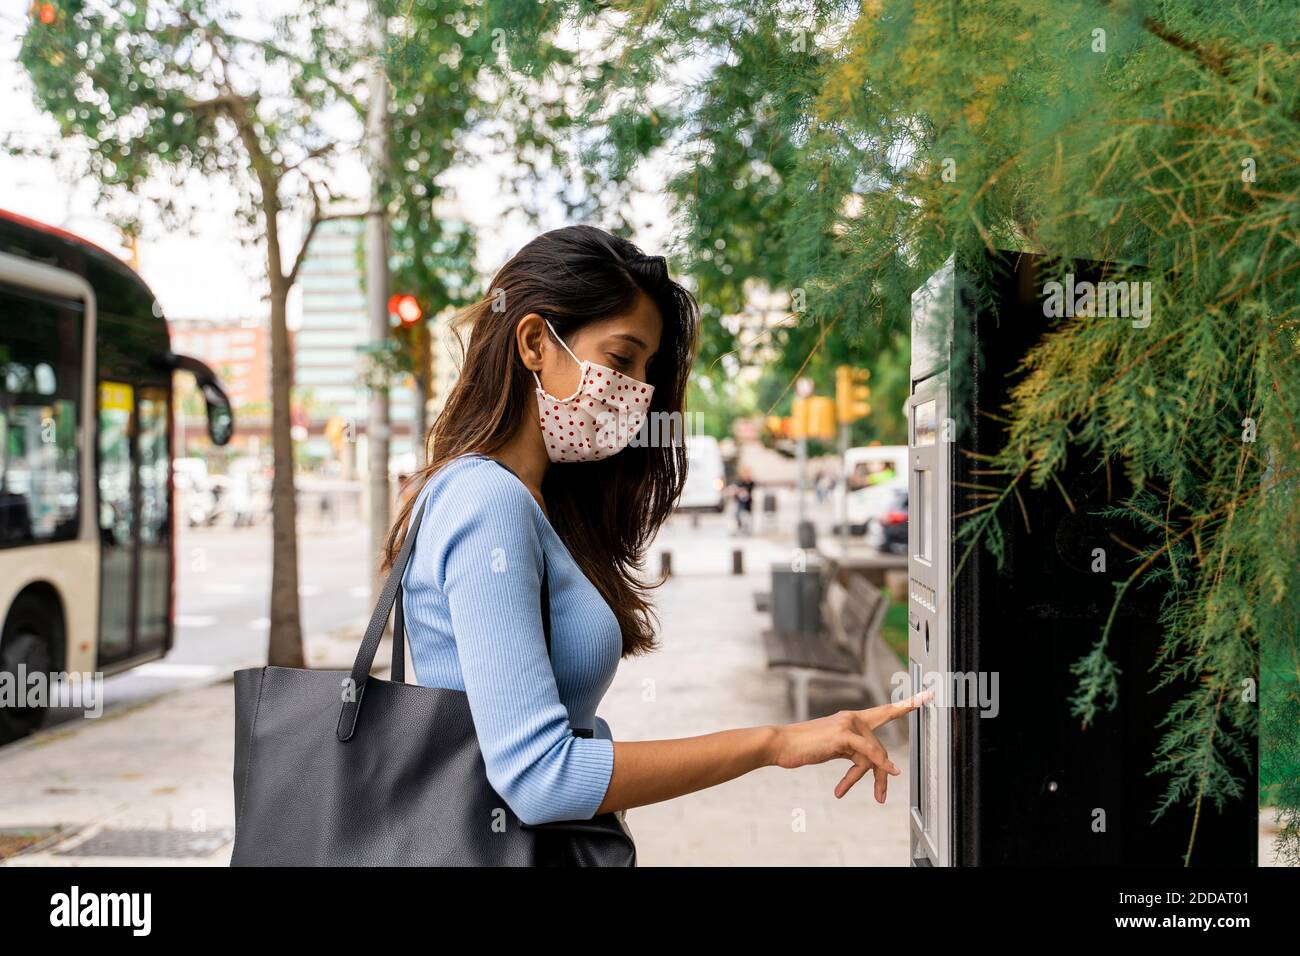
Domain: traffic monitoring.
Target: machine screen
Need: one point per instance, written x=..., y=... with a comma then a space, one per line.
x=924, y=424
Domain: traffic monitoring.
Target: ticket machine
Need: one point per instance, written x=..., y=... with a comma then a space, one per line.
x=929, y=644
x=1002, y=773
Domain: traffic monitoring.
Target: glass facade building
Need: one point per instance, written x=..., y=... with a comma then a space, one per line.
x=328, y=345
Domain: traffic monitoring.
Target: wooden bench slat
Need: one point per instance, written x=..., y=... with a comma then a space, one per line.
x=852, y=615
x=806, y=650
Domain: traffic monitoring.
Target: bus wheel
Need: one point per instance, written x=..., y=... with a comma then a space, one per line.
x=25, y=648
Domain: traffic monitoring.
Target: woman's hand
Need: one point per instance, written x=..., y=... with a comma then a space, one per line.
x=849, y=734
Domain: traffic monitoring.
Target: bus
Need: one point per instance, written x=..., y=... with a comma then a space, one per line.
x=87, y=542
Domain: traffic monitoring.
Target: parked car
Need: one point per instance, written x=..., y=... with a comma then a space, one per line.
x=190, y=474
x=880, y=513
x=207, y=507
x=887, y=525
x=705, y=476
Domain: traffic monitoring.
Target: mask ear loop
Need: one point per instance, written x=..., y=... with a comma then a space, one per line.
x=582, y=368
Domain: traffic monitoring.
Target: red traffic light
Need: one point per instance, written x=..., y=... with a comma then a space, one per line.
x=406, y=308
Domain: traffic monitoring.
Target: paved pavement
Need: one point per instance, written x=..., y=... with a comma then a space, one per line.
x=154, y=776
x=711, y=676
x=165, y=764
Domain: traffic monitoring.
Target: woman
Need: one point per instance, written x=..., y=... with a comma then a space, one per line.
x=533, y=470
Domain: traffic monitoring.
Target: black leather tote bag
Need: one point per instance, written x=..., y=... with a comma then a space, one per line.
x=339, y=769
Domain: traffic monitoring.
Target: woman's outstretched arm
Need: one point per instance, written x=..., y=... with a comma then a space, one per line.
x=651, y=771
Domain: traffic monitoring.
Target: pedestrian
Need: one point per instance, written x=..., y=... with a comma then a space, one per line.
x=822, y=485
x=527, y=488
x=742, y=490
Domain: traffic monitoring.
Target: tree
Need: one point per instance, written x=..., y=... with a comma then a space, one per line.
x=177, y=87
x=503, y=76
x=846, y=149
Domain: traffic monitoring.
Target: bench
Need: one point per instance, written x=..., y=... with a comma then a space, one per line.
x=848, y=652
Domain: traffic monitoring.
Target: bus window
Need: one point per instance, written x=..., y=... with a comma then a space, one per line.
x=40, y=384
x=116, y=519
x=152, y=461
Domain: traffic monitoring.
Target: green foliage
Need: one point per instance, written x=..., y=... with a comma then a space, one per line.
x=847, y=149
x=180, y=87
x=498, y=75
x=494, y=70
x=839, y=152
x=168, y=89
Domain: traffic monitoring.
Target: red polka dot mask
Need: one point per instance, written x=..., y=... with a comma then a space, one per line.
x=598, y=419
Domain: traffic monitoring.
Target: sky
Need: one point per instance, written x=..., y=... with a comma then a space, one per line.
x=206, y=272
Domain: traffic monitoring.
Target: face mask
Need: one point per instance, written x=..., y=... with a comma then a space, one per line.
x=597, y=420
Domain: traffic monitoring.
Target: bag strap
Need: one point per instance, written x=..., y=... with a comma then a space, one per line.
x=388, y=596
x=375, y=632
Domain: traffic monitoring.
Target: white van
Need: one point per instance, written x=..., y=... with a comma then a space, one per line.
x=872, y=470
x=871, y=464
x=705, y=476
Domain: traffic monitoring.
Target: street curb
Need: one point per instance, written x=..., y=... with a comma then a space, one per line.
x=48, y=735
x=71, y=728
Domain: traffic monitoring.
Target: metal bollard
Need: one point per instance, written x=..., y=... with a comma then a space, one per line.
x=665, y=564
x=769, y=510
x=737, y=561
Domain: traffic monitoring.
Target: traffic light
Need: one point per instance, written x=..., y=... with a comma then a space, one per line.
x=851, y=393
x=798, y=420
x=821, y=417
x=406, y=308
x=812, y=417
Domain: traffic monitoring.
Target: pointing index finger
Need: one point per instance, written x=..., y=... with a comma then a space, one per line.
x=894, y=711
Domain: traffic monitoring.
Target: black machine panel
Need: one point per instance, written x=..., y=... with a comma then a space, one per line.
x=1031, y=785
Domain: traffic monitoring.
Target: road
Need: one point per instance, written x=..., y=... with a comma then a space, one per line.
x=223, y=587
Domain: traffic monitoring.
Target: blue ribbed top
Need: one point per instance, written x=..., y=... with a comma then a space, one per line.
x=472, y=599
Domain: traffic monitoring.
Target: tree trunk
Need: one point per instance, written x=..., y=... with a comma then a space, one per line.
x=285, y=643
x=285, y=648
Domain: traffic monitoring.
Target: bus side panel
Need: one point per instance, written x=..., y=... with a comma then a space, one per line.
x=72, y=568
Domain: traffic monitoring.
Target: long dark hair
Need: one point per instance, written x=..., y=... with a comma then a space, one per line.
x=606, y=511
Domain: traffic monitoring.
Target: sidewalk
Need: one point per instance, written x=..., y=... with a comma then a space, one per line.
x=711, y=675
x=156, y=778
x=151, y=784
x=148, y=778
x=146, y=784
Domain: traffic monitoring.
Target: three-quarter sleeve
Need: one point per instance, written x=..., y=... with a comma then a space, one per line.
x=488, y=562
